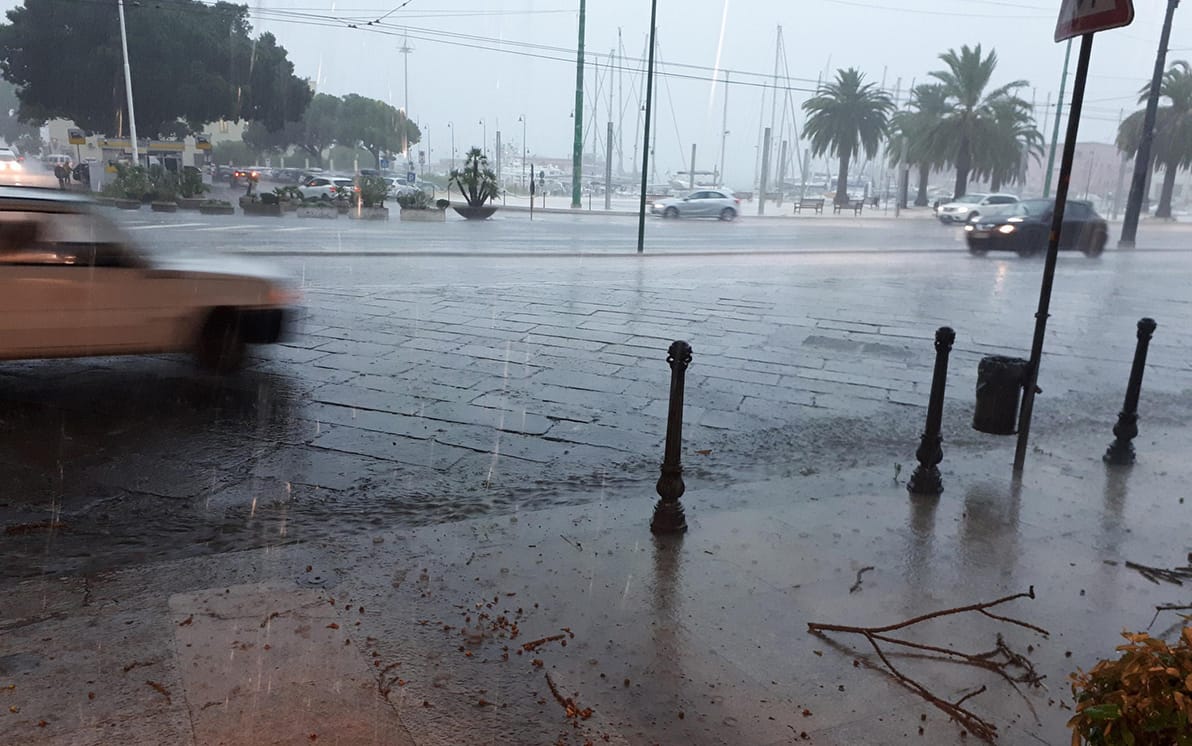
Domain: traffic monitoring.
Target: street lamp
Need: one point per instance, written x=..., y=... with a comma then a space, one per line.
x=451, y=126
x=484, y=142
x=522, y=119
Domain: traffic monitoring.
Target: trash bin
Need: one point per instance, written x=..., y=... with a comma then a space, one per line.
x=999, y=385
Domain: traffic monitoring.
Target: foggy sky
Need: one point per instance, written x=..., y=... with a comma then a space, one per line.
x=897, y=40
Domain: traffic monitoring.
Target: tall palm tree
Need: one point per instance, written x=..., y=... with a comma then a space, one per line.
x=1015, y=140
x=929, y=103
x=1172, y=141
x=845, y=117
x=969, y=126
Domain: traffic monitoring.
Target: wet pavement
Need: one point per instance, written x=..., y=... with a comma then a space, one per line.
x=442, y=430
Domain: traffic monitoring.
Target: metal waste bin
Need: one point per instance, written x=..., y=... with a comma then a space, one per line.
x=1000, y=381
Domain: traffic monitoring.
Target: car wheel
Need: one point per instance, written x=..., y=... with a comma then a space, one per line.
x=671, y=212
x=1096, y=247
x=221, y=346
x=325, y=197
x=728, y=213
x=969, y=218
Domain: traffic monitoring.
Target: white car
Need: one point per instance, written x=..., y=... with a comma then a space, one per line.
x=325, y=187
x=702, y=203
x=72, y=285
x=963, y=209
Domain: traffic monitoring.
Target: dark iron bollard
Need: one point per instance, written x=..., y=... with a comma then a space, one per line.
x=1121, y=450
x=926, y=479
x=668, y=511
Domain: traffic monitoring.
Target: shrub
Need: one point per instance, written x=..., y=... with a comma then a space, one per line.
x=131, y=182
x=1143, y=698
x=414, y=200
x=372, y=191
x=191, y=184
x=442, y=204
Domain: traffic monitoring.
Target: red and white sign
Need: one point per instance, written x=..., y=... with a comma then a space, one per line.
x=1078, y=17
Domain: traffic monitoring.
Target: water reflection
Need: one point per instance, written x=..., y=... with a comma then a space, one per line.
x=989, y=527
x=919, y=553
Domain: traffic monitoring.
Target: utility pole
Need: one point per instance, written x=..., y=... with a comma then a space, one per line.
x=691, y=173
x=781, y=172
x=132, y=117
x=577, y=147
x=1055, y=132
x=641, y=217
x=499, y=159
x=723, y=129
x=1142, y=159
x=761, y=197
x=608, y=167
x=405, y=52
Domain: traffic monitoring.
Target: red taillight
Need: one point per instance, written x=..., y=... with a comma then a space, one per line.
x=738, y=200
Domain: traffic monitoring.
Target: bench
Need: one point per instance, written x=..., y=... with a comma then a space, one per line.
x=856, y=205
x=810, y=204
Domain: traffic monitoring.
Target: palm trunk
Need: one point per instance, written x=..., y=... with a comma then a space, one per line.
x=964, y=164
x=1169, y=173
x=924, y=175
x=842, y=181
x=995, y=183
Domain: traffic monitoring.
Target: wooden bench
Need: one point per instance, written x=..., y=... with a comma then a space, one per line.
x=856, y=205
x=810, y=204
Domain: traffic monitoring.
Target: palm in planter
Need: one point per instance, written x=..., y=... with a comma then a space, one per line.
x=478, y=184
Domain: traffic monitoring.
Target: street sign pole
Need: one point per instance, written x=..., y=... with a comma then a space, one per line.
x=1053, y=245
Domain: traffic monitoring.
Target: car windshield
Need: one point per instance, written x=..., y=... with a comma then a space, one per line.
x=529, y=372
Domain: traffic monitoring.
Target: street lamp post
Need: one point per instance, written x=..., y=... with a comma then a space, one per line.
x=132, y=117
x=484, y=142
x=522, y=119
x=451, y=126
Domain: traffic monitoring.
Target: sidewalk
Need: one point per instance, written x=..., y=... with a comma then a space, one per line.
x=456, y=634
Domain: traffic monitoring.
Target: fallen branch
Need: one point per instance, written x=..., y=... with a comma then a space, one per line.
x=857, y=585
x=969, y=720
x=533, y=645
x=1167, y=607
x=569, y=706
x=1175, y=575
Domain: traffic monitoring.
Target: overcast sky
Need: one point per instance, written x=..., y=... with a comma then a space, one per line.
x=472, y=61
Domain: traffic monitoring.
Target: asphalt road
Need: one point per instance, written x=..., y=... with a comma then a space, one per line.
x=428, y=384
x=514, y=232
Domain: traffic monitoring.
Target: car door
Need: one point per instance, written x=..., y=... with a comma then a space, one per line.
x=1076, y=231
x=697, y=205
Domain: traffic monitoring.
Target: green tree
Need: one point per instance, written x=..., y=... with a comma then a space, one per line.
x=12, y=128
x=313, y=134
x=1171, y=147
x=190, y=61
x=928, y=105
x=845, y=117
x=969, y=128
x=375, y=126
x=1014, y=139
x=234, y=153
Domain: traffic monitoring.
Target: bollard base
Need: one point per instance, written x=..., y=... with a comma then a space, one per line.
x=669, y=518
x=1119, y=453
x=925, y=481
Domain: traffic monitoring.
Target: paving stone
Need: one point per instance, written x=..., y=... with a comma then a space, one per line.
x=355, y=396
x=621, y=439
x=388, y=447
x=577, y=380
x=353, y=347
x=471, y=414
x=562, y=342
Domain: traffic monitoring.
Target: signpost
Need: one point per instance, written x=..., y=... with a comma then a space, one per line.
x=1077, y=18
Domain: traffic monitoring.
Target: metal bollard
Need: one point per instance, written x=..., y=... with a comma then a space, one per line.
x=668, y=511
x=926, y=479
x=1121, y=450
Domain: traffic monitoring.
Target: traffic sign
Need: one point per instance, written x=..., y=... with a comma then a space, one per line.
x=1078, y=17
x=76, y=137
x=411, y=177
x=384, y=163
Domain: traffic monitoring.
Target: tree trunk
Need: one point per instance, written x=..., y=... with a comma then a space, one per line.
x=842, y=181
x=964, y=163
x=904, y=187
x=995, y=183
x=924, y=175
x=1169, y=173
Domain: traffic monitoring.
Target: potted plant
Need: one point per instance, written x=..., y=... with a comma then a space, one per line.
x=267, y=205
x=163, y=187
x=368, y=199
x=128, y=190
x=478, y=184
x=288, y=197
x=417, y=207
x=216, y=207
x=191, y=189
x=317, y=208
x=1141, y=698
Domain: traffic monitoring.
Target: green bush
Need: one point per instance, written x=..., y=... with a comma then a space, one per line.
x=476, y=180
x=372, y=191
x=416, y=200
x=131, y=182
x=191, y=184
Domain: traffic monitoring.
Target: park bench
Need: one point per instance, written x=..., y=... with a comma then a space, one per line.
x=808, y=203
x=856, y=205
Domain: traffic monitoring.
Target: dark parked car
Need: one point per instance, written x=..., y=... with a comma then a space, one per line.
x=1023, y=228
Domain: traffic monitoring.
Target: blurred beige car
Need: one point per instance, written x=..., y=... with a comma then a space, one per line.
x=72, y=285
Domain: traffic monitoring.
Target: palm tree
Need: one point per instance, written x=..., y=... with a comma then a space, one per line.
x=969, y=129
x=929, y=103
x=845, y=117
x=1172, y=142
x=1015, y=139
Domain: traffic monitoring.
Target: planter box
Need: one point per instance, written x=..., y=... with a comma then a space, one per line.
x=343, y=208
x=106, y=201
x=257, y=208
x=217, y=209
x=369, y=213
x=325, y=213
x=163, y=207
x=189, y=203
x=483, y=212
x=128, y=204
x=431, y=215
x=288, y=206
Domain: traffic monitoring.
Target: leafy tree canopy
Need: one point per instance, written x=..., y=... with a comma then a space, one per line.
x=190, y=61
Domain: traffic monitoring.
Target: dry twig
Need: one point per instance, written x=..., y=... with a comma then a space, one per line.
x=857, y=585
x=972, y=722
x=1175, y=575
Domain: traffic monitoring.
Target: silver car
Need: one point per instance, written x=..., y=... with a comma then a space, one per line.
x=702, y=203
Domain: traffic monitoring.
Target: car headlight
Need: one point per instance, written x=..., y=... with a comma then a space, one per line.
x=1015, y=220
x=1006, y=229
x=968, y=228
